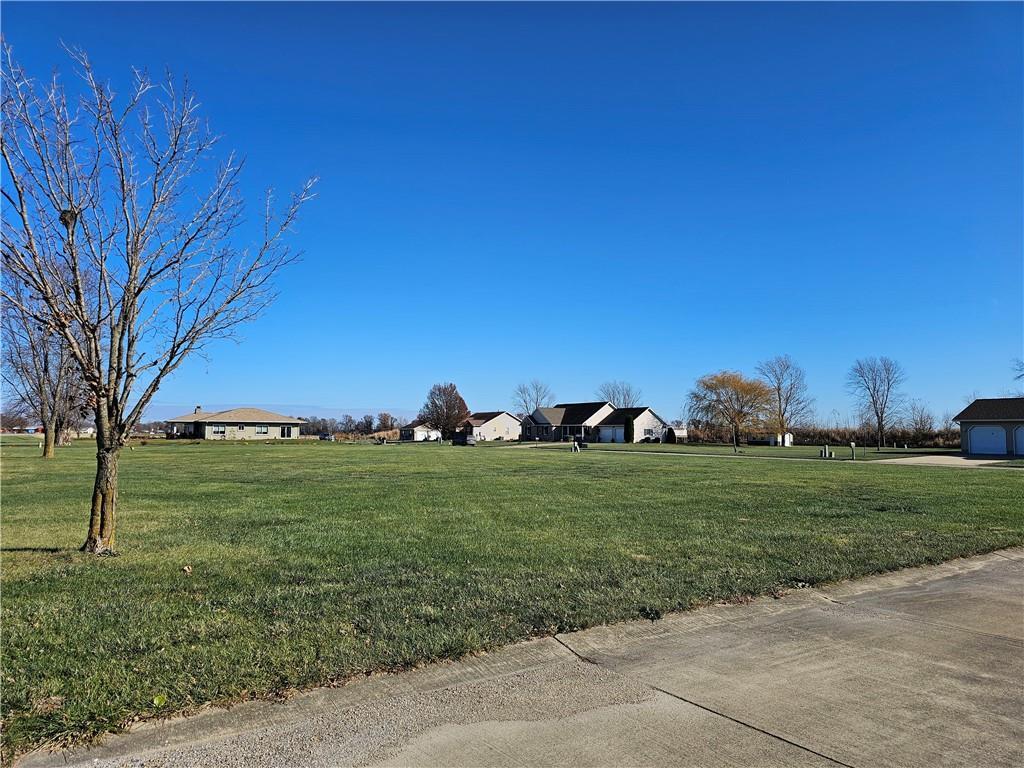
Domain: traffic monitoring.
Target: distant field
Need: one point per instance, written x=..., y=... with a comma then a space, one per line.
x=313, y=562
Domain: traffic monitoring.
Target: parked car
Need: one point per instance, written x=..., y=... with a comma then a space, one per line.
x=461, y=438
x=328, y=438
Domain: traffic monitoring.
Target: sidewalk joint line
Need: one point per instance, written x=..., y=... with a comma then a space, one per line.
x=573, y=651
x=749, y=725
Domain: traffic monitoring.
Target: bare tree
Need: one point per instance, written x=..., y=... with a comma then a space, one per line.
x=444, y=409
x=729, y=399
x=791, y=404
x=621, y=394
x=534, y=394
x=920, y=421
x=386, y=422
x=123, y=234
x=39, y=371
x=875, y=382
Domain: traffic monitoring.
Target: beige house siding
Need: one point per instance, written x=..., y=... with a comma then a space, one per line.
x=503, y=427
x=600, y=416
x=249, y=431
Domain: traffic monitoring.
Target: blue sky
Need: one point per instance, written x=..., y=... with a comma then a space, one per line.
x=582, y=192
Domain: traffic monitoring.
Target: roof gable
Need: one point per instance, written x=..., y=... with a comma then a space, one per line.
x=574, y=414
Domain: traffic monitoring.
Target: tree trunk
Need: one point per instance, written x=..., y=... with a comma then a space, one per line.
x=103, y=517
x=49, y=440
x=735, y=439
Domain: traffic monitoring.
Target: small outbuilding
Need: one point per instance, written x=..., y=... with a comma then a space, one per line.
x=419, y=432
x=992, y=426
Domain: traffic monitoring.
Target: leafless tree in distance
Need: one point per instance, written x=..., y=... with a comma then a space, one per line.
x=444, y=409
x=875, y=383
x=39, y=371
x=920, y=420
x=123, y=233
x=621, y=394
x=534, y=394
x=729, y=399
x=791, y=403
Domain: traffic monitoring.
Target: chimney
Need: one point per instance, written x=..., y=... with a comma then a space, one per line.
x=198, y=409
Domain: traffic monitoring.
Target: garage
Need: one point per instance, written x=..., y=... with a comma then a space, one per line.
x=992, y=426
x=612, y=434
x=987, y=439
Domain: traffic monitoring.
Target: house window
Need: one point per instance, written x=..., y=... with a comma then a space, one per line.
x=286, y=431
x=648, y=433
x=240, y=427
x=218, y=429
x=262, y=429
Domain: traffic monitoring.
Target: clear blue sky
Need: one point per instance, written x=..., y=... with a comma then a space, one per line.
x=583, y=192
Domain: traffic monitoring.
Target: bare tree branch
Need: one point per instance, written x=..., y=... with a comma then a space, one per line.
x=621, y=394
x=534, y=394
x=123, y=235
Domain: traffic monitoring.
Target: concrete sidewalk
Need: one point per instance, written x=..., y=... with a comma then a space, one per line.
x=922, y=667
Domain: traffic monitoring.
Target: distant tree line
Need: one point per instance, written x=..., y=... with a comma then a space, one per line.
x=728, y=406
x=349, y=426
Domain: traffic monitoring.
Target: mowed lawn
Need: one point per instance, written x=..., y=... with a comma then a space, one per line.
x=842, y=452
x=314, y=562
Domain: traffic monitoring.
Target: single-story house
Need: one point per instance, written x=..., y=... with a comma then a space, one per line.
x=647, y=426
x=419, y=432
x=565, y=421
x=493, y=425
x=234, y=424
x=992, y=426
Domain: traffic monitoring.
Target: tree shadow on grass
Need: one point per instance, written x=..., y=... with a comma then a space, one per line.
x=48, y=550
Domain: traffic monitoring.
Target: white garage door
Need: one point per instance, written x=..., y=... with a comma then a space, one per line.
x=1019, y=441
x=613, y=434
x=988, y=439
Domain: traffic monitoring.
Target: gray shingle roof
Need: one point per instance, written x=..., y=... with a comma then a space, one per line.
x=480, y=418
x=617, y=418
x=993, y=409
x=240, y=415
x=575, y=413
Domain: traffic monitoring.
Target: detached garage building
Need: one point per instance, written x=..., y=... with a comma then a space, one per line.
x=992, y=426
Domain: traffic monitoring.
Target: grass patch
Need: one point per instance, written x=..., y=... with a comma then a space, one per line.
x=310, y=563
x=842, y=452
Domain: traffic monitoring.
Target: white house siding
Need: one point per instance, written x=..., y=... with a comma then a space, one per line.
x=648, y=425
x=501, y=427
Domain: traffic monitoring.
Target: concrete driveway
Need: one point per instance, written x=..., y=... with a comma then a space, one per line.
x=945, y=461
x=923, y=667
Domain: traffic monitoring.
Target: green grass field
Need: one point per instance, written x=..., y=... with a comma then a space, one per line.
x=314, y=562
x=842, y=452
